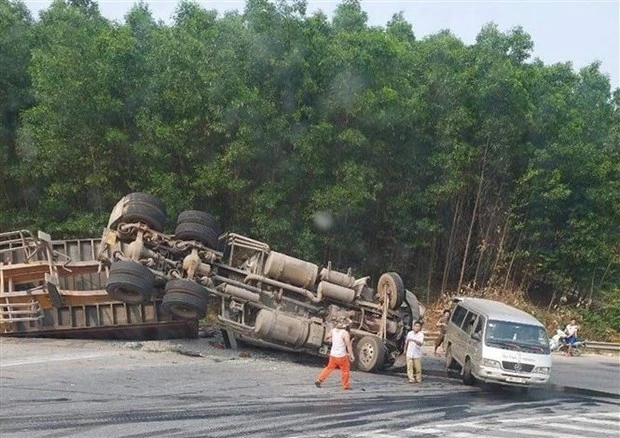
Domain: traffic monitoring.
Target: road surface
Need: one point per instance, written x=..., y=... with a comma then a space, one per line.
x=600, y=373
x=65, y=388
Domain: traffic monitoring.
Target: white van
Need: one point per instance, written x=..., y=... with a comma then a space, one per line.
x=496, y=343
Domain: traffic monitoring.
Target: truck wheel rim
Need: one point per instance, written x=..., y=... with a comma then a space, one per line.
x=185, y=311
x=368, y=353
x=129, y=293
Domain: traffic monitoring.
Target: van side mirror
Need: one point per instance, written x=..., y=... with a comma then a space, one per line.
x=476, y=336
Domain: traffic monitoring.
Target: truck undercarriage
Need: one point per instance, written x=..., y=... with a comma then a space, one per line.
x=262, y=296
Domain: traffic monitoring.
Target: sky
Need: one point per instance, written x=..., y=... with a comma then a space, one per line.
x=562, y=30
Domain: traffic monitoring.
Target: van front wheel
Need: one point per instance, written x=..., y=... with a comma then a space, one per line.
x=468, y=377
x=450, y=362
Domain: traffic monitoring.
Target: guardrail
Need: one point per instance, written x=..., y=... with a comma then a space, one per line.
x=430, y=336
x=607, y=347
x=603, y=347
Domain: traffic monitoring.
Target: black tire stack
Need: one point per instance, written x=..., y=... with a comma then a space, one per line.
x=145, y=208
x=185, y=299
x=133, y=283
x=130, y=282
x=198, y=226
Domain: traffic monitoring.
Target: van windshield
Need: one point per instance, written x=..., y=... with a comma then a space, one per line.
x=513, y=336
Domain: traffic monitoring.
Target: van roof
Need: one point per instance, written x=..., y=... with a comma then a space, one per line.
x=497, y=310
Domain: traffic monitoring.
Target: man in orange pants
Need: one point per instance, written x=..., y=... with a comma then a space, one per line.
x=340, y=355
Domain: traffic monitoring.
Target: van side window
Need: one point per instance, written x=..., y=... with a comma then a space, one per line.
x=468, y=327
x=479, y=326
x=458, y=315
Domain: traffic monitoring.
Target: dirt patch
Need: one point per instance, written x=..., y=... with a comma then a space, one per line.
x=212, y=348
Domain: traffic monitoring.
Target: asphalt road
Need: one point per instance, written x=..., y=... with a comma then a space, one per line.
x=63, y=388
x=600, y=373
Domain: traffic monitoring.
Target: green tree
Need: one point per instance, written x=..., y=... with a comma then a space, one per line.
x=16, y=42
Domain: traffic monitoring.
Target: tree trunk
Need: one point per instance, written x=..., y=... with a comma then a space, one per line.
x=430, y=271
x=483, y=249
x=446, y=268
x=525, y=275
x=473, y=219
x=500, y=251
x=599, y=283
x=552, y=300
x=512, y=259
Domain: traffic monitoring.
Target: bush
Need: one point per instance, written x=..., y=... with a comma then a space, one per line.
x=601, y=322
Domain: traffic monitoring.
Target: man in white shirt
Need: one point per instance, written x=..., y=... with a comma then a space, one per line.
x=571, y=335
x=341, y=354
x=413, y=349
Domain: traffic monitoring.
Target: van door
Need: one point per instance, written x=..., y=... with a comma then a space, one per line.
x=454, y=333
x=475, y=344
x=467, y=328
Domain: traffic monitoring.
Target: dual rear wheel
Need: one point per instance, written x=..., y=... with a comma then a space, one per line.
x=191, y=224
x=132, y=283
x=198, y=226
x=143, y=208
x=185, y=299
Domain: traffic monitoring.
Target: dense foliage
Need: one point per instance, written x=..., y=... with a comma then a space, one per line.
x=456, y=165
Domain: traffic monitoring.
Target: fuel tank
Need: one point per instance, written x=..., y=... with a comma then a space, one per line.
x=290, y=270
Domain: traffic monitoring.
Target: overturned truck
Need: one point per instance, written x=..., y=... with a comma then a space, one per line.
x=263, y=297
x=57, y=288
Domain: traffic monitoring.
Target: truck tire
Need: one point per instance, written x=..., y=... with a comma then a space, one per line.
x=395, y=288
x=198, y=217
x=198, y=225
x=130, y=282
x=145, y=208
x=369, y=354
x=185, y=299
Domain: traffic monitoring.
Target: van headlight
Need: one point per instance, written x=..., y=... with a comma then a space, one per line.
x=541, y=370
x=490, y=363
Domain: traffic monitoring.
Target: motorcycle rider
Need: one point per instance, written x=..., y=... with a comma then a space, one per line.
x=571, y=335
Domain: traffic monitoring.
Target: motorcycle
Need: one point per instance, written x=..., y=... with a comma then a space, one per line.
x=558, y=343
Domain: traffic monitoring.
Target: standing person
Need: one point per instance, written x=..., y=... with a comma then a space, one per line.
x=340, y=356
x=413, y=349
x=442, y=324
x=571, y=335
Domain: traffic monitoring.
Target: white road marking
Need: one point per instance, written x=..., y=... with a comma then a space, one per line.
x=50, y=358
x=608, y=414
x=376, y=434
x=540, y=419
x=581, y=428
x=530, y=432
x=605, y=424
x=425, y=430
x=463, y=434
x=597, y=421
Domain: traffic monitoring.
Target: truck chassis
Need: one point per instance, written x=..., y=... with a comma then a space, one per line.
x=262, y=296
